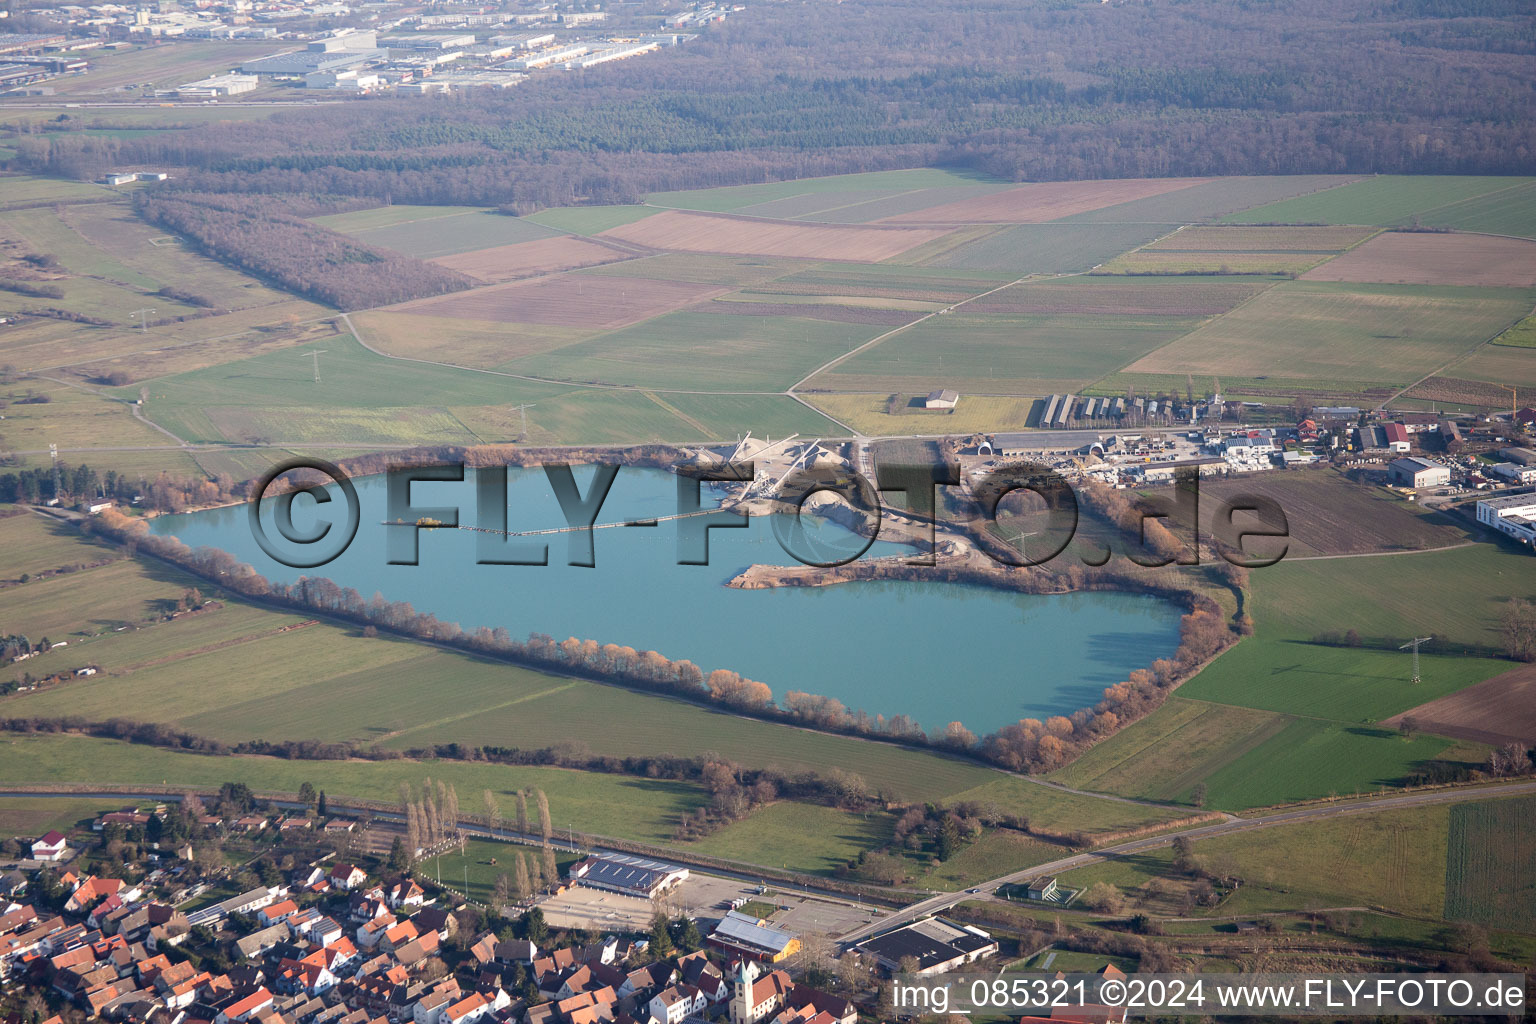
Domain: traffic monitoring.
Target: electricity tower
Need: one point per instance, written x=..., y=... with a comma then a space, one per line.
x=317, y=353
x=1414, y=645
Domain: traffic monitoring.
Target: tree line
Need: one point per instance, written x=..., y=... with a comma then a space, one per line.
x=293, y=253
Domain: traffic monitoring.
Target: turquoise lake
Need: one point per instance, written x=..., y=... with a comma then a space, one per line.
x=938, y=652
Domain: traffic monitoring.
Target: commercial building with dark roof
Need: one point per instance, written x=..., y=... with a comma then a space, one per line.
x=633, y=876
x=935, y=944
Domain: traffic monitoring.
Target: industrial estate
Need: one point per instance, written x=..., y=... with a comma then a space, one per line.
x=1084, y=503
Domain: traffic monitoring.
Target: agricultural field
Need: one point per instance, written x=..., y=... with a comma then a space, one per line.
x=590, y=220
x=872, y=414
x=1101, y=295
x=1496, y=711
x=26, y=190
x=1054, y=810
x=478, y=344
x=30, y=543
x=1521, y=335
x=1212, y=200
x=1379, y=596
x=627, y=416
x=1490, y=870
x=646, y=810
x=1018, y=354
x=378, y=217
x=805, y=838
x=456, y=230
x=1498, y=205
x=1352, y=334
x=1406, y=257
x=680, y=231
x=568, y=300
x=530, y=259
x=1497, y=364
x=702, y=351
x=1326, y=513
x=353, y=378
x=715, y=271
x=834, y=191
x=1392, y=858
x=1171, y=750
x=1045, y=248
x=1043, y=201
x=1320, y=719
x=43, y=412
x=33, y=816
x=1225, y=250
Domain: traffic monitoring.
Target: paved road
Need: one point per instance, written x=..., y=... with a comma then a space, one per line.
x=946, y=900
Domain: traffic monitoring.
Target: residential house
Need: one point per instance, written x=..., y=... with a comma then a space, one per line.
x=51, y=847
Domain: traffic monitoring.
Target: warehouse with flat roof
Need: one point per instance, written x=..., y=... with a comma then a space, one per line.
x=633, y=876
x=936, y=944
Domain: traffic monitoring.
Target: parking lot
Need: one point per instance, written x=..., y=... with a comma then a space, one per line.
x=706, y=898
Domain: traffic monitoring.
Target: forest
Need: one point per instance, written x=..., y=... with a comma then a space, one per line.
x=296, y=254
x=1056, y=90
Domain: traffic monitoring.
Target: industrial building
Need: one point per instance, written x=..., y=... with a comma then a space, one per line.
x=429, y=41
x=942, y=399
x=633, y=876
x=218, y=85
x=1511, y=514
x=607, y=54
x=544, y=59
x=300, y=63
x=749, y=936
x=936, y=944
x=1417, y=472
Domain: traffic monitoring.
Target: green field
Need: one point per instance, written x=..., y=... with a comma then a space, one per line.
x=450, y=234
x=1389, y=334
x=1050, y=248
x=805, y=838
x=30, y=817
x=1005, y=354
x=858, y=188
x=1394, y=859
x=590, y=220
x=1052, y=810
x=1279, y=718
x=352, y=378
x=25, y=190
x=704, y=351
x=1500, y=205
x=646, y=810
x=472, y=872
x=378, y=217
x=1490, y=870
x=868, y=413
x=31, y=543
x=1521, y=335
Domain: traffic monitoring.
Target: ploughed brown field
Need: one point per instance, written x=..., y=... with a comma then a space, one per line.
x=1192, y=296
x=1411, y=257
x=682, y=231
x=530, y=259
x=1461, y=392
x=816, y=311
x=1046, y=200
x=571, y=300
x=1497, y=711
